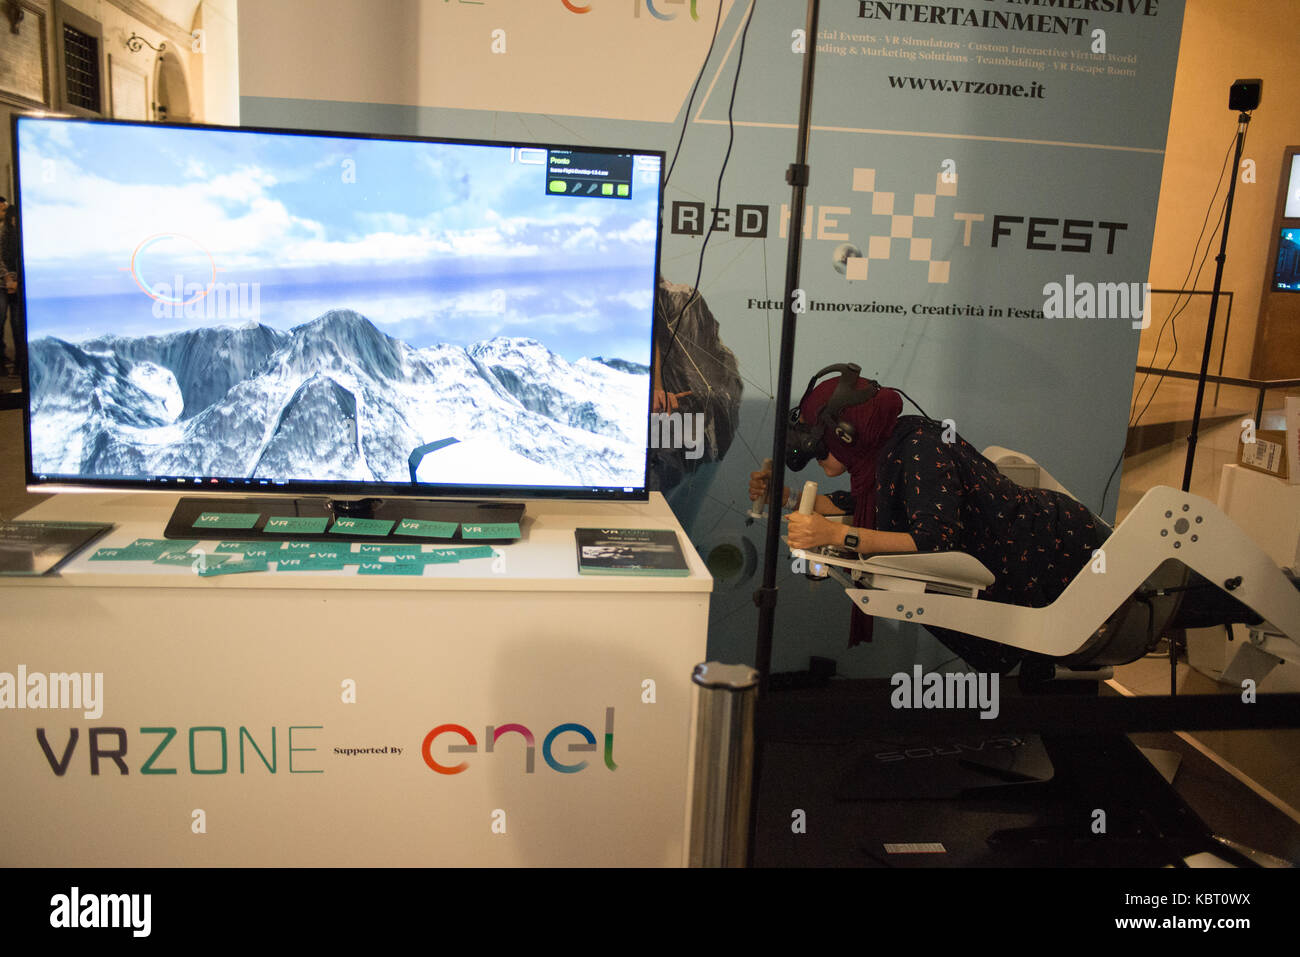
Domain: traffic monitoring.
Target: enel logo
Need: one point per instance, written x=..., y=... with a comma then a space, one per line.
x=573, y=7
x=494, y=733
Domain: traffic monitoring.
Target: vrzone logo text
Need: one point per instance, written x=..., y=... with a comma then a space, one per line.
x=207, y=747
x=493, y=733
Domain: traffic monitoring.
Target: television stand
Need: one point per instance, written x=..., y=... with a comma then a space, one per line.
x=319, y=518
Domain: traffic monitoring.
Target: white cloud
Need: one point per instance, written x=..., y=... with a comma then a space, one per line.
x=636, y=298
x=81, y=219
x=243, y=184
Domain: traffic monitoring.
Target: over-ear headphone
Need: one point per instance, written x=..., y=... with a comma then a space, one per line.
x=806, y=441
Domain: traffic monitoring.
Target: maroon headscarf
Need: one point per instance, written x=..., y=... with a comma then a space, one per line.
x=873, y=422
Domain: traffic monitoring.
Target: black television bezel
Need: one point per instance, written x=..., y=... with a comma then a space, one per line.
x=211, y=485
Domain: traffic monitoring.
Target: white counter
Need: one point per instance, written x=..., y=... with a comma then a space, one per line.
x=329, y=660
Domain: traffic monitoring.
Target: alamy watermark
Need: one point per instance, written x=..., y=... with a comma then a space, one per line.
x=1101, y=300
x=674, y=430
x=951, y=690
x=75, y=909
x=216, y=300
x=58, y=690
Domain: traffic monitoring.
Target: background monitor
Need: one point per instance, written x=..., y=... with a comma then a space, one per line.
x=241, y=309
x=1286, y=271
x=1291, y=206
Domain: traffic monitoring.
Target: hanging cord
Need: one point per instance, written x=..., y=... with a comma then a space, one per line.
x=686, y=117
x=731, y=138
x=1174, y=312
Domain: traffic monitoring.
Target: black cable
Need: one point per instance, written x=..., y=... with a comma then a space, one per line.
x=1175, y=311
x=1173, y=329
x=1171, y=323
x=731, y=138
x=913, y=401
x=686, y=117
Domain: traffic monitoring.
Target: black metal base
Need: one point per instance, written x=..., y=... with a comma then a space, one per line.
x=911, y=767
x=184, y=520
x=988, y=793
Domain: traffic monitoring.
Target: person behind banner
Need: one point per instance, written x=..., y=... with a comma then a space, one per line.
x=9, y=301
x=918, y=487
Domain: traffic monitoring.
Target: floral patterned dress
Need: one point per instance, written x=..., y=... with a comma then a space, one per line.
x=948, y=497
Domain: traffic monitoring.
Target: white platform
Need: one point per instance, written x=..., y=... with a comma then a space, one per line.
x=518, y=639
x=1268, y=510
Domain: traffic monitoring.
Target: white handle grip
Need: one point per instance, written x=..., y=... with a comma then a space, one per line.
x=809, y=499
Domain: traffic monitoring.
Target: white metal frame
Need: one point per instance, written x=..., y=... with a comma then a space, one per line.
x=1166, y=524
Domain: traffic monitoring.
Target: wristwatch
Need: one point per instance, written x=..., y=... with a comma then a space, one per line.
x=850, y=540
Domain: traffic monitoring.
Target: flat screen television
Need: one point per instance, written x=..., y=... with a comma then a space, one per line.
x=1286, y=270
x=236, y=309
x=1291, y=205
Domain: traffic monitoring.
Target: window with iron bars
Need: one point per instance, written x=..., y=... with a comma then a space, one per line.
x=81, y=69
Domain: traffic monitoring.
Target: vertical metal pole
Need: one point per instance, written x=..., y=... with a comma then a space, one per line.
x=1242, y=122
x=721, y=794
x=1223, y=346
x=797, y=176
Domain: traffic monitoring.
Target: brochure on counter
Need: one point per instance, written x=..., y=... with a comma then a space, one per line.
x=629, y=551
x=39, y=548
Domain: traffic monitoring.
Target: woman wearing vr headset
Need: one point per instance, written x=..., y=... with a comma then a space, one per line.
x=916, y=487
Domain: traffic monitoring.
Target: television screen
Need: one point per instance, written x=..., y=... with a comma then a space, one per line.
x=238, y=308
x=1291, y=209
x=1286, y=272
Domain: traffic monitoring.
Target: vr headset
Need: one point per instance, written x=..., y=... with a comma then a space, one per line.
x=805, y=441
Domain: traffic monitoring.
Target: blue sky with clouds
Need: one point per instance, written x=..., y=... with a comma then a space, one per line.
x=433, y=242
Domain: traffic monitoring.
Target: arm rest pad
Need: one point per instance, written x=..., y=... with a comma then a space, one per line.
x=955, y=568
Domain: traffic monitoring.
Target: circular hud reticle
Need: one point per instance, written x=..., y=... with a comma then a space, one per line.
x=164, y=265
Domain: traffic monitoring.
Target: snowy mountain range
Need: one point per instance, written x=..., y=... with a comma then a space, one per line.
x=334, y=399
